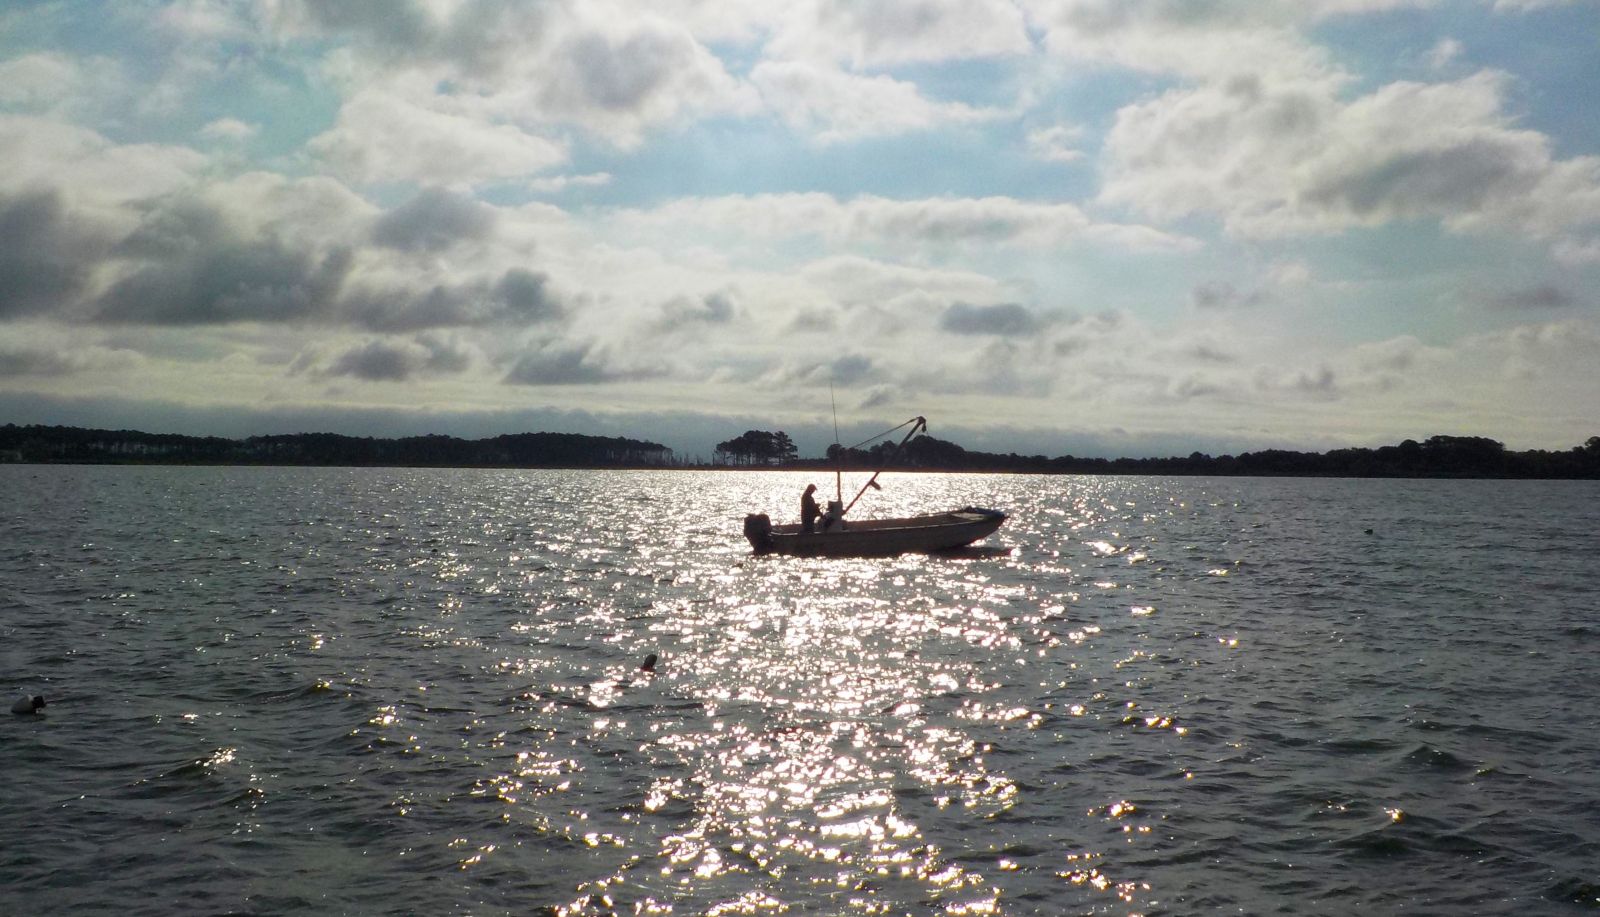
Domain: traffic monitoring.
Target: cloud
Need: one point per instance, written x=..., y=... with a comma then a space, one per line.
x=229, y=130
x=1577, y=251
x=434, y=220
x=684, y=312
x=518, y=298
x=845, y=370
x=1210, y=353
x=832, y=106
x=814, y=320
x=1058, y=143
x=856, y=283
x=875, y=35
x=1525, y=6
x=869, y=219
x=1320, y=383
x=559, y=183
x=383, y=137
x=1445, y=52
x=397, y=361
x=45, y=261
x=569, y=363
x=611, y=71
x=39, y=81
x=1004, y=320
x=1544, y=296
x=1295, y=158
x=527, y=297
x=87, y=169
x=45, y=362
x=1219, y=294
x=197, y=272
x=404, y=25
x=1228, y=37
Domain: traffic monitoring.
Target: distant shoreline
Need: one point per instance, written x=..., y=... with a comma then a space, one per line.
x=1438, y=457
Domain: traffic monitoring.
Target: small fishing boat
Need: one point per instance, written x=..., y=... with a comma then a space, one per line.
x=835, y=536
x=874, y=537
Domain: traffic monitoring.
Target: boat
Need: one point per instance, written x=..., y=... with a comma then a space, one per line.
x=835, y=536
x=875, y=537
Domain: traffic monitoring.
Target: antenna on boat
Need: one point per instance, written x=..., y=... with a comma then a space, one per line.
x=838, y=455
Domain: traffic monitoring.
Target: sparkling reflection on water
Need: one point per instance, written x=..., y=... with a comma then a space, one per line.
x=400, y=691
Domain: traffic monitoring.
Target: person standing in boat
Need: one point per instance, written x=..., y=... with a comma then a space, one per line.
x=808, y=509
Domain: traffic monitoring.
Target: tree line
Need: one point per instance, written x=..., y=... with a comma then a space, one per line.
x=1434, y=457
x=516, y=450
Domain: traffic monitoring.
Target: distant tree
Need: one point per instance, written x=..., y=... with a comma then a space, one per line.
x=784, y=449
x=757, y=447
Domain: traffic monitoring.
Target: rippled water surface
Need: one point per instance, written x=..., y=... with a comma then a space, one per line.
x=322, y=691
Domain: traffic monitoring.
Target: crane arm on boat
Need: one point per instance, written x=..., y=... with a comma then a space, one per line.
x=918, y=425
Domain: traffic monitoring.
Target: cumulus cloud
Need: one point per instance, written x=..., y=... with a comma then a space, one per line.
x=1297, y=158
x=685, y=312
x=161, y=245
x=558, y=362
x=226, y=280
x=229, y=130
x=557, y=183
x=854, y=283
x=86, y=168
x=518, y=298
x=1057, y=143
x=39, y=81
x=1543, y=296
x=848, y=369
x=614, y=72
x=1003, y=320
x=886, y=34
x=1220, y=294
x=1444, y=53
x=1319, y=383
x=399, y=360
x=831, y=105
x=45, y=260
x=382, y=137
x=814, y=320
x=64, y=360
x=1230, y=37
x=877, y=220
x=434, y=220
x=1523, y=6
x=617, y=81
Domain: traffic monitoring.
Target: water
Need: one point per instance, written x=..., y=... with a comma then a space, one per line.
x=322, y=691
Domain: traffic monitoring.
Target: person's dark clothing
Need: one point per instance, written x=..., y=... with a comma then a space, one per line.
x=808, y=512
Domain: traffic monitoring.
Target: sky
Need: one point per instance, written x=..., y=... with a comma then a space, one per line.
x=1088, y=227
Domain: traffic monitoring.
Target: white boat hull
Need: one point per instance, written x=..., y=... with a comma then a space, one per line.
x=876, y=537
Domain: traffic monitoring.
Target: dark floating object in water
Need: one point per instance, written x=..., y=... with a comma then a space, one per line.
x=27, y=705
x=649, y=663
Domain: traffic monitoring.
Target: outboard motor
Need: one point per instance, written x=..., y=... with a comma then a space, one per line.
x=833, y=519
x=758, y=531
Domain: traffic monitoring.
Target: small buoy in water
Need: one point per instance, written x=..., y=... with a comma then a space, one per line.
x=26, y=704
x=649, y=663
